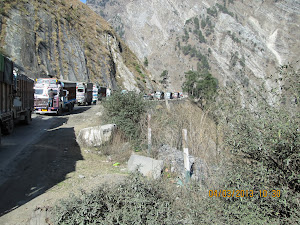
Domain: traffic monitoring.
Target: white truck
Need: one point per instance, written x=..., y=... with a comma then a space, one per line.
x=95, y=94
x=84, y=93
x=64, y=96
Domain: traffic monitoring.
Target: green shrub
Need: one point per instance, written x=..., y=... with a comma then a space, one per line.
x=196, y=23
x=264, y=142
x=223, y=9
x=125, y=110
x=212, y=11
x=146, y=62
x=135, y=201
x=200, y=85
x=186, y=36
x=200, y=36
x=203, y=23
x=138, y=69
x=141, y=201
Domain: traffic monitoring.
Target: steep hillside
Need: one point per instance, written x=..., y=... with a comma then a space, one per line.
x=68, y=40
x=241, y=42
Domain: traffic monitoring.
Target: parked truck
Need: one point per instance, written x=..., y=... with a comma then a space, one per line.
x=63, y=96
x=95, y=94
x=16, y=96
x=84, y=93
x=101, y=93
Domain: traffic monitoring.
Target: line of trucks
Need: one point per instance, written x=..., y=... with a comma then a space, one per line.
x=21, y=95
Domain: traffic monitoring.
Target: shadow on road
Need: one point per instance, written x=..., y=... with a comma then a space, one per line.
x=78, y=109
x=52, y=157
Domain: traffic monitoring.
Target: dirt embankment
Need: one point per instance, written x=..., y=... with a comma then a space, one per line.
x=50, y=167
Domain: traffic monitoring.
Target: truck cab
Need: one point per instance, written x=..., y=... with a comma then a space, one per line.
x=84, y=93
x=80, y=93
x=95, y=94
x=64, y=96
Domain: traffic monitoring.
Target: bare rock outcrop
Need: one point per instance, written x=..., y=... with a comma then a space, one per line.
x=174, y=160
x=241, y=42
x=68, y=40
x=95, y=136
x=147, y=166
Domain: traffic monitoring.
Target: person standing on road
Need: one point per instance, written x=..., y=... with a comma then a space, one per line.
x=51, y=95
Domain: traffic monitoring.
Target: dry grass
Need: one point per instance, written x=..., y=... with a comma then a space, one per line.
x=117, y=149
x=203, y=134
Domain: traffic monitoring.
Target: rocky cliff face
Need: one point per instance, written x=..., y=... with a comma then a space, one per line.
x=240, y=42
x=68, y=40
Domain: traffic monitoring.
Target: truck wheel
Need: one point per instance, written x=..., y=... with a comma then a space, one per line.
x=59, y=112
x=69, y=107
x=8, y=127
x=89, y=103
x=28, y=118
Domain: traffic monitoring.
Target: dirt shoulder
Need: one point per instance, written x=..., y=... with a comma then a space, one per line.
x=56, y=167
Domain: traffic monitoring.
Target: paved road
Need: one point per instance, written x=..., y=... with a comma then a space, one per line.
x=12, y=146
x=36, y=157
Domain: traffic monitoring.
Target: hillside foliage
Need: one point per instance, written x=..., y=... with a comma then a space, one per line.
x=264, y=143
x=200, y=85
x=125, y=110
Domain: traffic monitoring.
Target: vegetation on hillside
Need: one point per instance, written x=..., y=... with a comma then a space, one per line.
x=125, y=110
x=254, y=178
x=135, y=201
x=264, y=142
x=200, y=85
x=164, y=79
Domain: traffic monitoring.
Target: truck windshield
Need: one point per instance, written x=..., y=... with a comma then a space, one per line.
x=38, y=91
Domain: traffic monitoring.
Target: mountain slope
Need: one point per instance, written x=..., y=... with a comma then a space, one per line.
x=68, y=40
x=242, y=41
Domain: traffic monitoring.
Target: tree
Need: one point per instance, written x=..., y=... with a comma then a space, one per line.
x=146, y=61
x=200, y=85
x=165, y=76
x=196, y=23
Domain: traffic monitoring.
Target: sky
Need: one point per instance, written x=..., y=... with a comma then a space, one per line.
x=83, y=1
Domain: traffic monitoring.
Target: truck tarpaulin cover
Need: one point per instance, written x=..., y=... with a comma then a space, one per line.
x=6, y=70
x=1, y=68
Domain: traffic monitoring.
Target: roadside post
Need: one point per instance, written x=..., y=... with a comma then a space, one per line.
x=186, y=156
x=149, y=134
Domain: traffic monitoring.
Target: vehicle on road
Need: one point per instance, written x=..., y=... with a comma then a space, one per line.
x=16, y=96
x=159, y=95
x=148, y=96
x=169, y=95
x=95, y=94
x=101, y=93
x=53, y=96
x=175, y=95
x=180, y=95
x=84, y=93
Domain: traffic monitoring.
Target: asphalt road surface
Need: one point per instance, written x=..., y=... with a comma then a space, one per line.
x=36, y=157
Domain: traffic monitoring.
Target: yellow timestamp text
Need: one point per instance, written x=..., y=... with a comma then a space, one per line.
x=244, y=193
